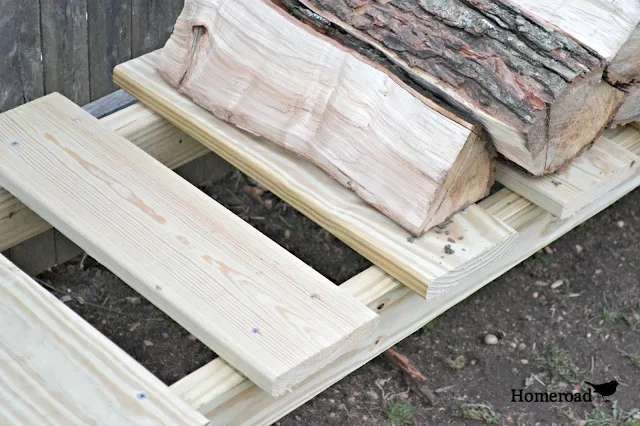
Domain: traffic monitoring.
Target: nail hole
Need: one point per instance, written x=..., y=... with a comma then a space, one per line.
x=380, y=306
x=377, y=341
x=76, y=120
x=315, y=297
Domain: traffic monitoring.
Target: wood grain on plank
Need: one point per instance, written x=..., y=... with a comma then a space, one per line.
x=21, y=78
x=56, y=369
x=261, y=308
x=109, y=31
x=65, y=48
x=234, y=401
x=598, y=170
x=370, y=131
x=153, y=134
x=416, y=262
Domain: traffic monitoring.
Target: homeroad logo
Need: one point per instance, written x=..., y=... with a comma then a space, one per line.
x=604, y=390
x=519, y=395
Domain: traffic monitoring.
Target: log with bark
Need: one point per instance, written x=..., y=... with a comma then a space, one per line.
x=357, y=117
x=530, y=71
x=630, y=110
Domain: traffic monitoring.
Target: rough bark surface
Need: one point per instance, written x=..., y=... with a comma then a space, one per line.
x=491, y=61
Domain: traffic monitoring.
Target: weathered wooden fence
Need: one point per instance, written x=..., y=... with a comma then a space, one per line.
x=72, y=46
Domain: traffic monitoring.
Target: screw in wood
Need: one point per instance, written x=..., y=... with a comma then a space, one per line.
x=141, y=396
x=315, y=297
x=255, y=330
x=15, y=144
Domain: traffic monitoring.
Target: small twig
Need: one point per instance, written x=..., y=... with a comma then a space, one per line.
x=418, y=379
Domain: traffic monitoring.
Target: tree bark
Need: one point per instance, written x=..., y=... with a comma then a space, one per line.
x=252, y=64
x=537, y=91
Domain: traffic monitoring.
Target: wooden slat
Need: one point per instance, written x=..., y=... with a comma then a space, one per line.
x=153, y=134
x=110, y=30
x=595, y=172
x=417, y=263
x=65, y=48
x=21, y=65
x=56, y=369
x=261, y=308
x=153, y=22
x=227, y=399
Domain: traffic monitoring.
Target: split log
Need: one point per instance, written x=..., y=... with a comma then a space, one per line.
x=252, y=64
x=538, y=91
x=630, y=110
x=609, y=28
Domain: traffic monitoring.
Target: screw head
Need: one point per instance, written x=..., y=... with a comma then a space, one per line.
x=315, y=297
x=15, y=144
x=255, y=330
x=141, y=395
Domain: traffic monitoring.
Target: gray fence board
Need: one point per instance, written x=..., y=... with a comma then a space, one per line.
x=65, y=48
x=109, y=42
x=72, y=46
x=21, y=77
x=152, y=22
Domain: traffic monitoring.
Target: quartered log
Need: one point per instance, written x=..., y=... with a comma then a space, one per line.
x=252, y=64
x=537, y=90
x=630, y=110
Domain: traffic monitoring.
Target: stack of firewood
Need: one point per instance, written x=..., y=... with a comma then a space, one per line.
x=405, y=101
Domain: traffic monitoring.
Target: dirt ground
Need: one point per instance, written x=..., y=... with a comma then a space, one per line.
x=568, y=314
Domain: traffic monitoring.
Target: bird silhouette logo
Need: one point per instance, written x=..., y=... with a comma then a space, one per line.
x=604, y=389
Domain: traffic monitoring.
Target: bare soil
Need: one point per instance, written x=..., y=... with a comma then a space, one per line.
x=549, y=339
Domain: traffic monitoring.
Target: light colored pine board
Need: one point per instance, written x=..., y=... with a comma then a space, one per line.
x=417, y=263
x=589, y=176
x=626, y=137
x=153, y=134
x=234, y=401
x=253, y=303
x=376, y=135
x=56, y=369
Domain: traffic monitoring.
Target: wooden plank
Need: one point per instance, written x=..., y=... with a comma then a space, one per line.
x=21, y=77
x=275, y=319
x=153, y=134
x=416, y=262
x=588, y=177
x=225, y=398
x=153, y=22
x=56, y=369
x=109, y=42
x=65, y=48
